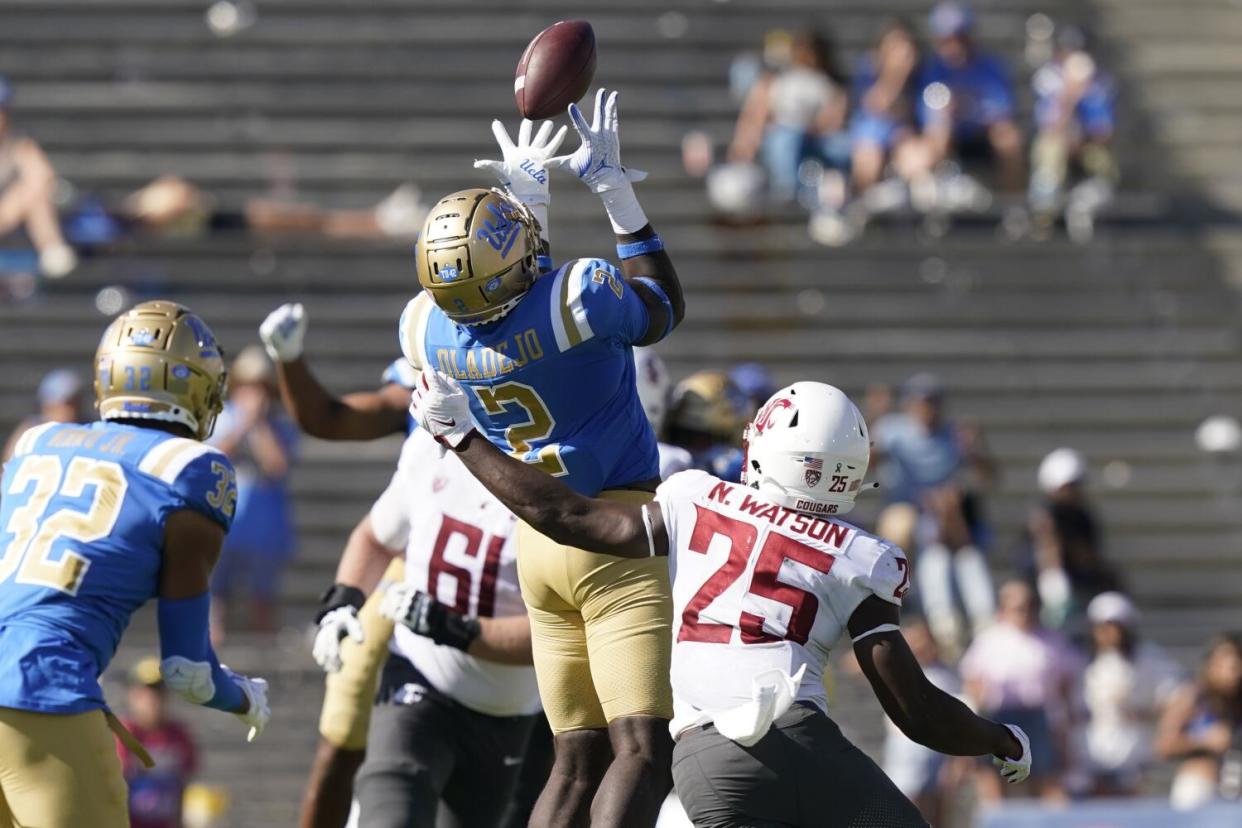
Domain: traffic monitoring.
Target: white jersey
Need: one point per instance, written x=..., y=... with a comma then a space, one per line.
x=757, y=586
x=460, y=548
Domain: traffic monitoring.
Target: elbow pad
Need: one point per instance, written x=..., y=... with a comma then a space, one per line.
x=188, y=664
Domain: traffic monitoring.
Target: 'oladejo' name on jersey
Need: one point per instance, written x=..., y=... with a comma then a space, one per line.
x=490, y=361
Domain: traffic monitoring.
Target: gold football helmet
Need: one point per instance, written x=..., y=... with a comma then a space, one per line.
x=709, y=403
x=158, y=361
x=477, y=254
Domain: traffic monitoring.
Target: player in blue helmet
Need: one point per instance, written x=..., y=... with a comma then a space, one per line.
x=547, y=359
x=97, y=519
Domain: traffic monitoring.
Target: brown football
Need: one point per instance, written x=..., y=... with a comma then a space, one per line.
x=555, y=70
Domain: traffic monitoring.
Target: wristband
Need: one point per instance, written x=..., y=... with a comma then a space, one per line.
x=445, y=627
x=337, y=596
x=543, y=263
x=640, y=248
x=654, y=286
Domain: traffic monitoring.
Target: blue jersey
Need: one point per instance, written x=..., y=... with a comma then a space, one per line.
x=980, y=88
x=81, y=538
x=553, y=381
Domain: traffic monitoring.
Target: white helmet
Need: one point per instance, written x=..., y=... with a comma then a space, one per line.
x=654, y=385
x=808, y=449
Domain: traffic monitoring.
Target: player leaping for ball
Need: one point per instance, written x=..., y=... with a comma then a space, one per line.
x=96, y=519
x=765, y=580
x=548, y=367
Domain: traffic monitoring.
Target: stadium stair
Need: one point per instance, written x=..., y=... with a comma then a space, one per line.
x=1119, y=348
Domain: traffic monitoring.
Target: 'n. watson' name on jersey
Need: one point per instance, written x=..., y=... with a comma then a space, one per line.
x=553, y=381
x=81, y=538
x=757, y=586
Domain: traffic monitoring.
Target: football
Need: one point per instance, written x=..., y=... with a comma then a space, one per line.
x=555, y=70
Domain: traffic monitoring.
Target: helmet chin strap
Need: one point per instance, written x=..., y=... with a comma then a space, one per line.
x=501, y=312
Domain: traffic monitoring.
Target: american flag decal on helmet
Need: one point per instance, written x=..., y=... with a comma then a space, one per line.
x=814, y=470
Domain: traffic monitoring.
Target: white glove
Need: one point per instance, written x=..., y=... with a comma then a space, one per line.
x=521, y=170
x=282, y=332
x=398, y=601
x=258, y=713
x=440, y=406
x=597, y=161
x=333, y=627
x=1016, y=770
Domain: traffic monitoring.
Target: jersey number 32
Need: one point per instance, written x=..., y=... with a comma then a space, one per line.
x=29, y=552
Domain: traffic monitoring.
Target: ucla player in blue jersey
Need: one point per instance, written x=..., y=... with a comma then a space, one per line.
x=547, y=359
x=97, y=519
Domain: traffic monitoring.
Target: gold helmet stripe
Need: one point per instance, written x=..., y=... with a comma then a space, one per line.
x=414, y=328
x=168, y=459
x=26, y=442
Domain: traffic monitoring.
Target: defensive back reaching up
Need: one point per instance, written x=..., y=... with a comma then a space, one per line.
x=765, y=580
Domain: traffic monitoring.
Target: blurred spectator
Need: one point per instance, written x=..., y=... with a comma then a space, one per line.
x=918, y=771
x=966, y=104
x=1127, y=683
x=939, y=468
x=884, y=91
x=261, y=441
x=62, y=399
x=27, y=188
x=1202, y=724
x=1066, y=559
x=1074, y=116
x=172, y=206
x=155, y=794
x=705, y=418
x=795, y=114
x=756, y=383
x=1019, y=672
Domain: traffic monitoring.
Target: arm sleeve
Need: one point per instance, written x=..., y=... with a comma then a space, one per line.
x=187, y=661
x=592, y=299
x=207, y=484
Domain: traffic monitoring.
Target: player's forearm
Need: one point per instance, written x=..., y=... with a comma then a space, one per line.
x=946, y=725
x=359, y=416
x=503, y=640
x=552, y=507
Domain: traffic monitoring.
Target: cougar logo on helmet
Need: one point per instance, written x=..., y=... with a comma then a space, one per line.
x=764, y=419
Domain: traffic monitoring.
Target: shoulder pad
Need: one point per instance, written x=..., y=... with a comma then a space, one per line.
x=886, y=567
x=412, y=329
x=202, y=476
x=578, y=292
x=26, y=443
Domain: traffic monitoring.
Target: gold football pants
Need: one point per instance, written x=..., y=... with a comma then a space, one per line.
x=60, y=771
x=601, y=630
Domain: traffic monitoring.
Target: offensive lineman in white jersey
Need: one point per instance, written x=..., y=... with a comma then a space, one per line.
x=765, y=580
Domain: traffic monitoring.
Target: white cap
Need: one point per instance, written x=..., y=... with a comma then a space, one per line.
x=1112, y=607
x=1060, y=468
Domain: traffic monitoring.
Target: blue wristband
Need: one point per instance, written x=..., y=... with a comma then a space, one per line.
x=654, y=286
x=543, y=263
x=640, y=248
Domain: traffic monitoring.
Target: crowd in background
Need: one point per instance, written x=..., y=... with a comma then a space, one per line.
x=909, y=126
